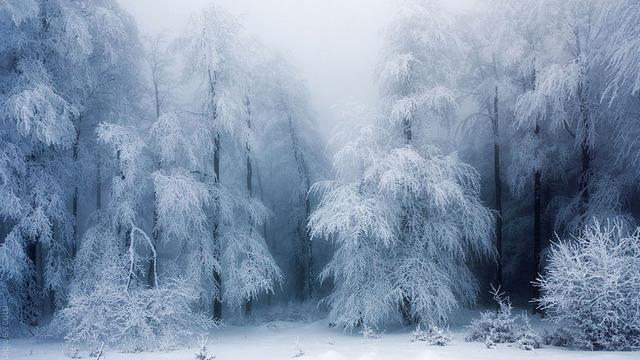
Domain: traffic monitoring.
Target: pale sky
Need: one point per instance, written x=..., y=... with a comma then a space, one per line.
x=333, y=43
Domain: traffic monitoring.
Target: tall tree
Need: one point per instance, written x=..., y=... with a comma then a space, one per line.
x=215, y=53
x=403, y=198
x=208, y=47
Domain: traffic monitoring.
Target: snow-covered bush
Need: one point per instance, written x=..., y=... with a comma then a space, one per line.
x=203, y=353
x=591, y=288
x=433, y=335
x=298, y=350
x=130, y=320
x=528, y=339
x=369, y=332
x=501, y=326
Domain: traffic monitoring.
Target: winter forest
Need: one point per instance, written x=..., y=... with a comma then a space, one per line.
x=184, y=194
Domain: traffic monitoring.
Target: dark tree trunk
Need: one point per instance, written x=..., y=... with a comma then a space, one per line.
x=264, y=225
x=74, y=201
x=304, y=280
x=405, y=304
x=248, y=304
x=217, y=278
x=407, y=131
x=498, y=184
x=151, y=272
x=537, y=215
x=216, y=306
x=585, y=154
x=2, y=230
x=32, y=288
x=585, y=148
x=98, y=182
x=537, y=232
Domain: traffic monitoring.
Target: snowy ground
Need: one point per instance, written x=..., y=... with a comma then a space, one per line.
x=281, y=340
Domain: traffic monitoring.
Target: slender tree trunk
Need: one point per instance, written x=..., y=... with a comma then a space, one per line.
x=32, y=288
x=217, y=278
x=406, y=303
x=216, y=305
x=585, y=148
x=407, y=131
x=537, y=214
x=264, y=225
x=537, y=232
x=304, y=281
x=585, y=154
x=151, y=272
x=248, y=304
x=498, y=185
x=2, y=234
x=98, y=181
x=74, y=201
x=156, y=92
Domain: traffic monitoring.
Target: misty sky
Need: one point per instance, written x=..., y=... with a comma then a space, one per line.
x=333, y=43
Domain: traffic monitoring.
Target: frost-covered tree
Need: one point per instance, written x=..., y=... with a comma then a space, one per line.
x=502, y=66
x=553, y=64
x=620, y=54
x=623, y=82
x=215, y=53
x=405, y=219
x=209, y=49
x=569, y=93
x=45, y=50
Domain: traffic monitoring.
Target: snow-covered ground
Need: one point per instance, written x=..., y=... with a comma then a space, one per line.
x=283, y=340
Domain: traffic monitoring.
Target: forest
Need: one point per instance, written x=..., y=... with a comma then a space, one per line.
x=174, y=196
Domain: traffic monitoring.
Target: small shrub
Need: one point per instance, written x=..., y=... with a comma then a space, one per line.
x=528, y=339
x=203, y=353
x=434, y=335
x=369, y=332
x=501, y=326
x=298, y=350
x=591, y=287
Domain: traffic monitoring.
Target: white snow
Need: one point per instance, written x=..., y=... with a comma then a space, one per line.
x=282, y=340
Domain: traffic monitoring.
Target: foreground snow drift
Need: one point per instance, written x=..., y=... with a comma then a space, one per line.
x=284, y=340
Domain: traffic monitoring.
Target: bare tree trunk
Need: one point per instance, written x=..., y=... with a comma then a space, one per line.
x=537, y=231
x=248, y=304
x=264, y=225
x=216, y=306
x=217, y=278
x=32, y=288
x=585, y=154
x=74, y=201
x=585, y=148
x=537, y=214
x=98, y=182
x=151, y=272
x=406, y=303
x=304, y=280
x=2, y=230
x=498, y=184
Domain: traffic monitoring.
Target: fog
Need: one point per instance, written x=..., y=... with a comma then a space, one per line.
x=333, y=43
x=319, y=179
